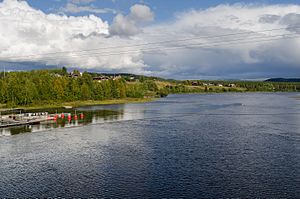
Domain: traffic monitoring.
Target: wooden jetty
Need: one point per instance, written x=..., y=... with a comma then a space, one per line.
x=23, y=119
x=35, y=118
x=21, y=123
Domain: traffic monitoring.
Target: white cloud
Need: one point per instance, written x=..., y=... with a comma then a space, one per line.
x=141, y=13
x=129, y=25
x=123, y=26
x=265, y=59
x=31, y=32
x=25, y=31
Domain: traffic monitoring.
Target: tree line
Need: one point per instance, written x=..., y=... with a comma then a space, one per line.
x=251, y=86
x=50, y=86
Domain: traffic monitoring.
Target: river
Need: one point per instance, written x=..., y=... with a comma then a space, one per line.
x=230, y=145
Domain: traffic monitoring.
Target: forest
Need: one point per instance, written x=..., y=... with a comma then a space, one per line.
x=245, y=86
x=52, y=86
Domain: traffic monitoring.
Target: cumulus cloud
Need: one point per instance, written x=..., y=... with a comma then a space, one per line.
x=129, y=25
x=195, y=52
x=141, y=13
x=221, y=57
x=31, y=32
x=123, y=26
x=269, y=18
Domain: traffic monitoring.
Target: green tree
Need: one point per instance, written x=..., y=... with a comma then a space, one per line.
x=85, y=92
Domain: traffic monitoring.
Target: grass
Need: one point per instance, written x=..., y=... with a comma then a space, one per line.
x=46, y=105
x=162, y=84
x=216, y=89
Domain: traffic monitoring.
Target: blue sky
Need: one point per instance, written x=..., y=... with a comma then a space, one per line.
x=164, y=9
x=106, y=36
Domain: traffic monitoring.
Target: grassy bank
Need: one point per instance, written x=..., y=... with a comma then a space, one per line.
x=52, y=104
x=46, y=105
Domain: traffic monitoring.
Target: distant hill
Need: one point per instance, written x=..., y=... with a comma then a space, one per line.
x=283, y=80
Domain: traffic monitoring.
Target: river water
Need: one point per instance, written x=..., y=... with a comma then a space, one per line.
x=184, y=146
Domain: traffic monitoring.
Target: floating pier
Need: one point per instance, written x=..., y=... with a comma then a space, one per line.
x=23, y=119
x=35, y=118
x=20, y=123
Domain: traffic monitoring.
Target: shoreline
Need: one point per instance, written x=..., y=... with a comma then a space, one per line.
x=75, y=104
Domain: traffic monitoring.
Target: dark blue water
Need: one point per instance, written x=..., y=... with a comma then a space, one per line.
x=182, y=146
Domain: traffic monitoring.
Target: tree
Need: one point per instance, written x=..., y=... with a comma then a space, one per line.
x=98, y=91
x=85, y=92
x=74, y=90
x=59, y=91
x=64, y=71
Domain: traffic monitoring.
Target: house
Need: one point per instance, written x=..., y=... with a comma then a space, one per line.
x=75, y=75
x=57, y=75
x=100, y=78
x=117, y=77
x=220, y=85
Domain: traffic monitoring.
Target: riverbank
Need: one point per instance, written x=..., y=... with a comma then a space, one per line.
x=47, y=105
x=75, y=104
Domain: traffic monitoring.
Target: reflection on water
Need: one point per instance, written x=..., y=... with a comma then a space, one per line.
x=91, y=115
x=172, y=107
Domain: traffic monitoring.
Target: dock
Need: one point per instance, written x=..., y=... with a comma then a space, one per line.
x=21, y=123
x=23, y=119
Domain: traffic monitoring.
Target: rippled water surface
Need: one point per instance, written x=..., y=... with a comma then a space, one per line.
x=182, y=146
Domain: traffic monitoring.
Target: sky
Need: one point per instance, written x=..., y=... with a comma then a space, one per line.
x=182, y=39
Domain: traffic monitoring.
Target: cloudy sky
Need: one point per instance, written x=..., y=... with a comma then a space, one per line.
x=209, y=39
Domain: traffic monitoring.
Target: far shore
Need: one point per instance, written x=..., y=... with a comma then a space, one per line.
x=49, y=105
x=76, y=104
